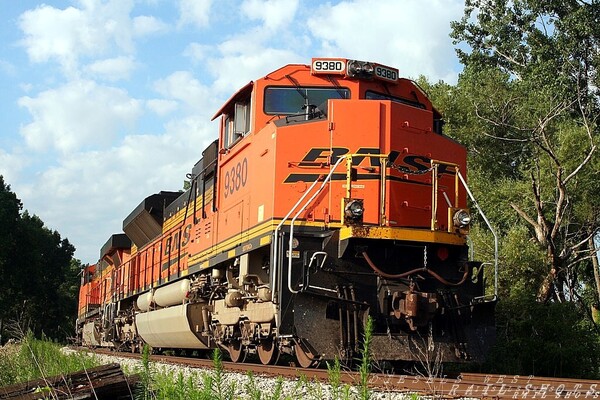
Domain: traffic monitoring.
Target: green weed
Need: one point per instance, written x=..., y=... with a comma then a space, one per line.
x=365, y=361
x=255, y=393
x=35, y=359
x=334, y=373
x=39, y=359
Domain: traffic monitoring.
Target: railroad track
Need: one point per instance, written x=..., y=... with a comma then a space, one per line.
x=465, y=385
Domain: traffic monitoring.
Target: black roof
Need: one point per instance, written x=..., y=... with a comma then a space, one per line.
x=116, y=241
x=154, y=205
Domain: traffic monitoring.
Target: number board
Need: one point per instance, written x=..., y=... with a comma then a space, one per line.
x=386, y=73
x=328, y=66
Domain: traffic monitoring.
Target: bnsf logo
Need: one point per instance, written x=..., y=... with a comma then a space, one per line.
x=322, y=155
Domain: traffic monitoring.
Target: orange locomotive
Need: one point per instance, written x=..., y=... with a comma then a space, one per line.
x=331, y=195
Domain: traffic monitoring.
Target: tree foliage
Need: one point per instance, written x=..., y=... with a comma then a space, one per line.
x=544, y=340
x=39, y=284
x=526, y=106
x=531, y=82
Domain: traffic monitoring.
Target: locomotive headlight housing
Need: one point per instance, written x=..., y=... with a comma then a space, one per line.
x=368, y=70
x=354, y=68
x=353, y=211
x=461, y=218
x=360, y=69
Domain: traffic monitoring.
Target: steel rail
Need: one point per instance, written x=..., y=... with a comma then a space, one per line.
x=464, y=385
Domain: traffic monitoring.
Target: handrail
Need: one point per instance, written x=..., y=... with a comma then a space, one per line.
x=290, y=248
x=489, y=225
x=458, y=177
x=434, y=188
x=277, y=229
x=276, y=240
x=382, y=179
x=320, y=266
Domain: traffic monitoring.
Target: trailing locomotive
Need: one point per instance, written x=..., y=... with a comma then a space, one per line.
x=331, y=195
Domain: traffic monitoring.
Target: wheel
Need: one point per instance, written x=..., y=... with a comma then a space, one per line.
x=237, y=352
x=304, y=358
x=267, y=350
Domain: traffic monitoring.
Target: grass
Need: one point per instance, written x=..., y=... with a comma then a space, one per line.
x=35, y=359
x=160, y=384
x=215, y=385
x=365, y=362
x=38, y=359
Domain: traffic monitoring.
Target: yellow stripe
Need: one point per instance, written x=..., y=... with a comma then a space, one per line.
x=412, y=235
x=267, y=227
x=232, y=242
x=177, y=218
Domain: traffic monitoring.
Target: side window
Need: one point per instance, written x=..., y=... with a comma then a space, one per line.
x=242, y=119
x=228, y=128
x=237, y=123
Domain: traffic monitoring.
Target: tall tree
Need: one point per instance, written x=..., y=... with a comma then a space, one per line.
x=531, y=75
x=39, y=274
x=10, y=208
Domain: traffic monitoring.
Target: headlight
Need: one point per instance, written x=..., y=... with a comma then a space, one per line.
x=354, y=210
x=354, y=68
x=461, y=218
x=360, y=69
x=368, y=70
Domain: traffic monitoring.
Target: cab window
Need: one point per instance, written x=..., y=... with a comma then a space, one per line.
x=237, y=123
x=295, y=100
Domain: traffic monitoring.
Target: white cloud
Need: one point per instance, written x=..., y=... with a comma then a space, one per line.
x=11, y=165
x=102, y=187
x=183, y=87
x=8, y=68
x=198, y=52
x=112, y=69
x=194, y=12
x=61, y=34
x=195, y=130
x=94, y=29
x=274, y=14
x=255, y=59
x=26, y=87
x=146, y=25
x=410, y=35
x=78, y=114
x=161, y=107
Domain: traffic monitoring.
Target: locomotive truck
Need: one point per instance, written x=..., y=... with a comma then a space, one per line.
x=330, y=196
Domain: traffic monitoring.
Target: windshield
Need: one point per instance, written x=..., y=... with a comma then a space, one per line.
x=292, y=100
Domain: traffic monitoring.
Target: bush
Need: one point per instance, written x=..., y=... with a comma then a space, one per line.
x=552, y=339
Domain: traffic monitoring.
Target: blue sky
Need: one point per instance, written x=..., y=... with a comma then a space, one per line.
x=106, y=102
